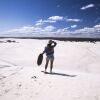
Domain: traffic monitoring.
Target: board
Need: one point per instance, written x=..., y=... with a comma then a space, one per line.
x=40, y=59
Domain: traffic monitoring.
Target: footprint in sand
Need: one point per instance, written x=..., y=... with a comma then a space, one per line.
x=2, y=77
x=39, y=83
x=19, y=85
x=0, y=94
x=6, y=91
x=33, y=77
x=17, y=94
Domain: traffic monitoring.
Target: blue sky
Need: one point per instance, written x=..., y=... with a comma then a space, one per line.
x=50, y=17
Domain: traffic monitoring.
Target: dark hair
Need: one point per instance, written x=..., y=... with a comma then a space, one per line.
x=49, y=45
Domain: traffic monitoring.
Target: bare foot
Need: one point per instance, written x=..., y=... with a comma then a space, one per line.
x=50, y=72
x=45, y=72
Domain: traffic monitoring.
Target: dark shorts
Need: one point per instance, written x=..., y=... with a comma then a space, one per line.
x=50, y=57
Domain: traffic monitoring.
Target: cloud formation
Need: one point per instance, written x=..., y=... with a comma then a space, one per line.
x=54, y=19
x=73, y=26
x=30, y=30
x=50, y=30
x=41, y=22
x=94, y=31
x=25, y=29
x=87, y=6
x=53, y=31
x=72, y=20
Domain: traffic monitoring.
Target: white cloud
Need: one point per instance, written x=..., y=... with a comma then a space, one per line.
x=72, y=20
x=73, y=26
x=87, y=6
x=94, y=31
x=55, y=18
x=49, y=28
x=97, y=26
x=84, y=32
x=25, y=29
x=41, y=22
x=63, y=30
x=52, y=19
x=31, y=30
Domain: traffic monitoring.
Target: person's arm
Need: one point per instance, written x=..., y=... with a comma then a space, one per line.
x=54, y=43
x=44, y=51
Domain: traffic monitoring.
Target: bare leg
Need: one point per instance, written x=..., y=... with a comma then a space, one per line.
x=46, y=65
x=51, y=65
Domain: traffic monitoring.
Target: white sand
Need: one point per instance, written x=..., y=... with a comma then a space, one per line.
x=76, y=67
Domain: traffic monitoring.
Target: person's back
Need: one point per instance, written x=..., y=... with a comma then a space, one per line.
x=49, y=50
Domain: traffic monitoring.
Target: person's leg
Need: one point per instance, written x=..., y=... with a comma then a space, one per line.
x=46, y=65
x=51, y=65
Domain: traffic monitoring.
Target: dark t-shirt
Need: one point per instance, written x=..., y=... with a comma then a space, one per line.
x=49, y=49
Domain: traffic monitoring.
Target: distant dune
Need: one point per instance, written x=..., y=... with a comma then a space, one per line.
x=76, y=39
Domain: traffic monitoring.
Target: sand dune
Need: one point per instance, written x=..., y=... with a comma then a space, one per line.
x=76, y=73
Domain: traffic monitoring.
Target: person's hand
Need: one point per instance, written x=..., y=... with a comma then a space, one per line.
x=53, y=41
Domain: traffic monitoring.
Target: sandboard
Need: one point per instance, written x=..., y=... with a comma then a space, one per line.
x=39, y=60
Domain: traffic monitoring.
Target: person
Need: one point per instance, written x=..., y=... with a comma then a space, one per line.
x=49, y=50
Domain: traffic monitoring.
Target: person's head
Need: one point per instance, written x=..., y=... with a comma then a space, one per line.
x=49, y=43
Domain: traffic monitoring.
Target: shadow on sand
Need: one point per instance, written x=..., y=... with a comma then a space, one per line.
x=60, y=74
